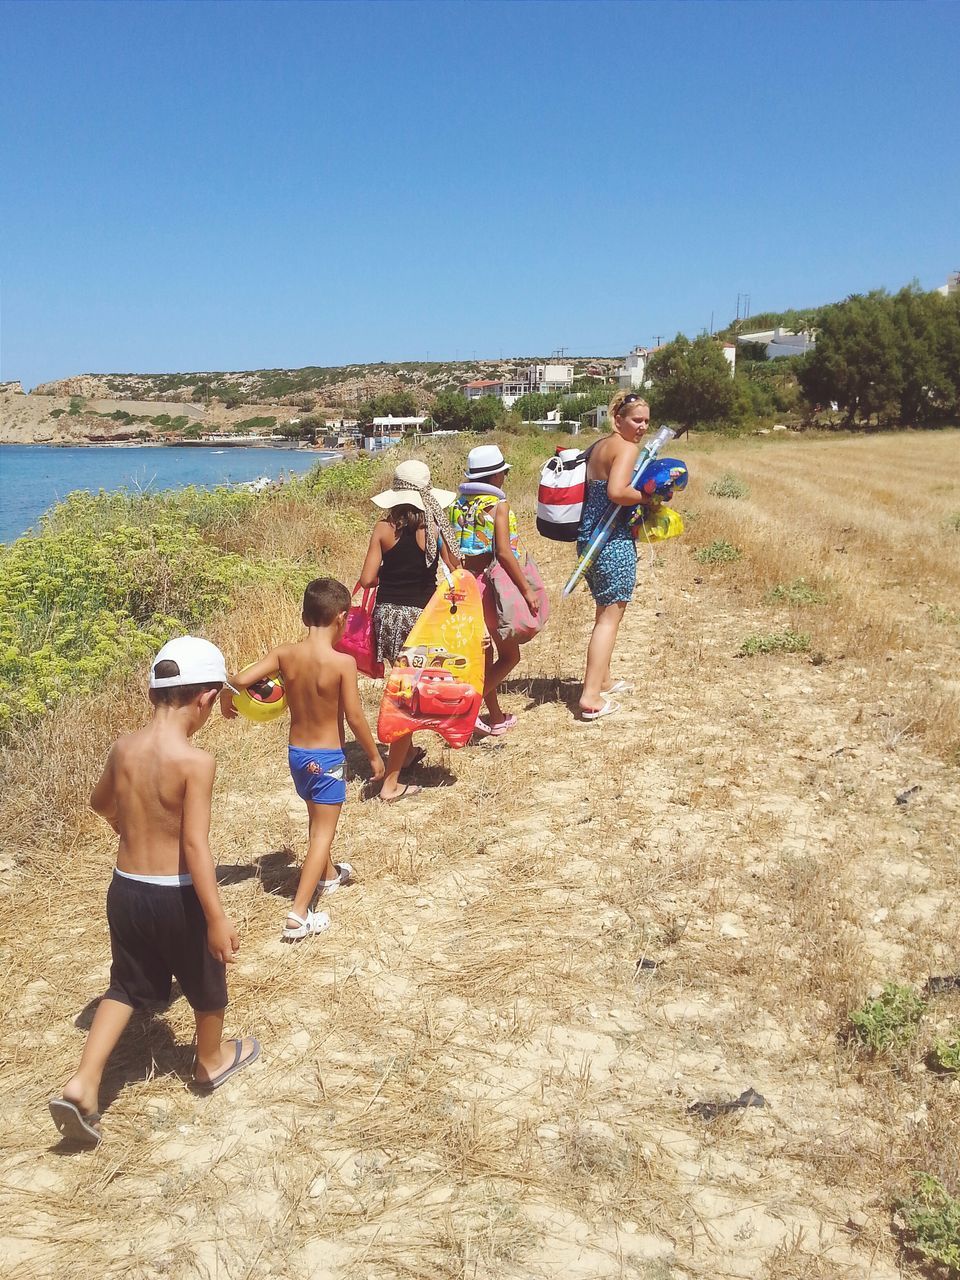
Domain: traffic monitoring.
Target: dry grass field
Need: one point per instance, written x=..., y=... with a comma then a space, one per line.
x=486, y=1068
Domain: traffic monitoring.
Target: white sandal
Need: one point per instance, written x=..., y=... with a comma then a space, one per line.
x=344, y=876
x=313, y=922
x=618, y=686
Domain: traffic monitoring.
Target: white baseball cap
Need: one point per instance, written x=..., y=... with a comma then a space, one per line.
x=200, y=662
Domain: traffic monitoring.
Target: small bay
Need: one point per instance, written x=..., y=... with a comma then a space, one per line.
x=34, y=477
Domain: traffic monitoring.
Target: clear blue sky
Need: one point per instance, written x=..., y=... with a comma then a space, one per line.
x=246, y=185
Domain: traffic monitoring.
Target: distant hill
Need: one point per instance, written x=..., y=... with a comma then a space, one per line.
x=315, y=387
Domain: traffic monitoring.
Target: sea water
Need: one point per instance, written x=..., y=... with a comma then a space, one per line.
x=34, y=477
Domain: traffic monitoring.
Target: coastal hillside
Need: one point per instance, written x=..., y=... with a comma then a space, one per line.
x=669, y=996
x=115, y=407
x=336, y=386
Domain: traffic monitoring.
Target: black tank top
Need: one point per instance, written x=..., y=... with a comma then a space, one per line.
x=405, y=576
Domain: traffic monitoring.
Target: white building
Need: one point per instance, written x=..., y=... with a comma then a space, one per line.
x=551, y=377
x=730, y=355
x=545, y=378
x=952, y=286
x=632, y=374
x=388, y=431
x=781, y=342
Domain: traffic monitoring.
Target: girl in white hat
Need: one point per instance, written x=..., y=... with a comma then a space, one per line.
x=486, y=530
x=401, y=562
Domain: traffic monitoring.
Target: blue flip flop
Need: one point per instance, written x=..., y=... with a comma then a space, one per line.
x=207, y=1086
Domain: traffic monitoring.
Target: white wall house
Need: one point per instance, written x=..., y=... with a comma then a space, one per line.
x=730, y=355
x=952, y=286
x=545, y=378
x=632, y=374
x=483, y=387
x=781, y=342
x=551, y=377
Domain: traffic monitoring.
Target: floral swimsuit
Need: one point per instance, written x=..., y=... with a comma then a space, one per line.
x=613, y=575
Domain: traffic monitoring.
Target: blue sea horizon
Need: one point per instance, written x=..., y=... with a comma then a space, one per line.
x=33, y=478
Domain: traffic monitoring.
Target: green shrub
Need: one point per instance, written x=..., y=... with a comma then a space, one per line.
x=104, y=584
x=344, y=481
x=76, y=406
x=953, y=522
x=57, y=413
x=931, y=1218
x=940, y=613
x=728, y=486
x=718, y=553
x=946, y=1054
x=774, y=642
x=799, y=592
x=890, y=1021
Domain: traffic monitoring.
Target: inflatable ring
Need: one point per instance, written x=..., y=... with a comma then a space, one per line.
x=263, y=701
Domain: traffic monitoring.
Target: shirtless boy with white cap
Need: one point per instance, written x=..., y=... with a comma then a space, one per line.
x=163, y=908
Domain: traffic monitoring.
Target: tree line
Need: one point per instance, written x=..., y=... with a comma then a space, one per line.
x=891, y=359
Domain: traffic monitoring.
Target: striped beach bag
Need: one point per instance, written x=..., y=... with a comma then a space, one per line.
x=563, y=485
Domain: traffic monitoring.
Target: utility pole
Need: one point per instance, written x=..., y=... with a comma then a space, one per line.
x=656, y=340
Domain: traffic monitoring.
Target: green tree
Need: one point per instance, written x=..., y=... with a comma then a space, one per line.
x=485, y=413
x=928, y=332
x=535, y=405
x=451, y=411
x=857, y=362
x=572, y=407
x=691, y=381
x=396, y=404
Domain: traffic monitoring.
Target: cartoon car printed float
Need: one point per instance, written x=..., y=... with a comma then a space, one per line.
x=423, y=683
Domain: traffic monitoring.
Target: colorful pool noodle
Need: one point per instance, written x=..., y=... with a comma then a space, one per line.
x=600, y=535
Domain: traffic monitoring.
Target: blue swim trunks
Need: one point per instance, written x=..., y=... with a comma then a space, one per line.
x=318, y=774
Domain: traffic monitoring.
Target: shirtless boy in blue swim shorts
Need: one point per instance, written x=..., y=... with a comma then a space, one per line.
x=321, y=690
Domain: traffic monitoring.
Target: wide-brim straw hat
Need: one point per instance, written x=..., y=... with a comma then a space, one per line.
x=416, y=473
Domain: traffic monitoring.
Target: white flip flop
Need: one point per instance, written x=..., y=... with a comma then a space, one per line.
x=608, y=709
x=313, y=922
x=618, y=686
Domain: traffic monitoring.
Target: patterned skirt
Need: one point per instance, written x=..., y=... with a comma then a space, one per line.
x=392, y=623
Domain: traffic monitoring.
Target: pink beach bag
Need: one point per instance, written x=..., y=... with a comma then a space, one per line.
x=359, y=638
x=512, y=617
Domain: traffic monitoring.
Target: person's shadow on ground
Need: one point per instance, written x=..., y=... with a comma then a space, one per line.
x=540, y=689
x=424, y=775
x=146, y=1048
x=278, y=872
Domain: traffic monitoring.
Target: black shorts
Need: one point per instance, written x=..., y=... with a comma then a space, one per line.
x=157, y=933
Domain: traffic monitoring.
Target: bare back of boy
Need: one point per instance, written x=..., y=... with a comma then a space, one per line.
x=155, y=790
x=313, y=680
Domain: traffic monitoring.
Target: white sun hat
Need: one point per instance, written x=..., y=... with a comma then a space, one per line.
x=485, y=460
x=409, y=479
x=199, y=661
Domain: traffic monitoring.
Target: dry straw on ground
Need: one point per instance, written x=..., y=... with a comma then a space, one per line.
x=469, y=1075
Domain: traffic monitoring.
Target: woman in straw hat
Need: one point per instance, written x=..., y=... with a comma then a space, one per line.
x=401, y=561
